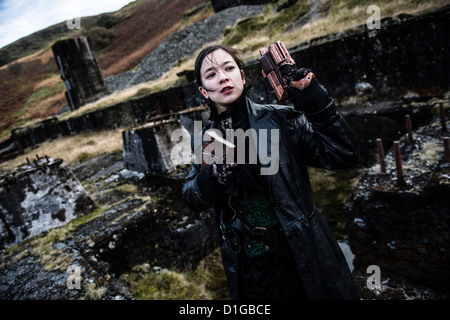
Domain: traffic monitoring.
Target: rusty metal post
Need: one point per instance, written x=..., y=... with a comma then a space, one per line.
x=443, y=120
x=409, y=127
x=381, y=155
x=28, y=161
x=447, y=149
x=398, y=163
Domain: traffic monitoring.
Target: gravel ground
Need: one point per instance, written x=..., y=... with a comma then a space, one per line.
x=180, y=44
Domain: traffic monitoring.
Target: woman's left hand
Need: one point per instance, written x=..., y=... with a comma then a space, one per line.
x=223, y=175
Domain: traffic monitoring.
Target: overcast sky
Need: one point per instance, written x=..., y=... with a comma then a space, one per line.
x=19, y=18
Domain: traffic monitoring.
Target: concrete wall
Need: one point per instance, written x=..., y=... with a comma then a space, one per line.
x=160, y=146
x=405, y=54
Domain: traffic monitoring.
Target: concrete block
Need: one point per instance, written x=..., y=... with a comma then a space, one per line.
x=38, y=197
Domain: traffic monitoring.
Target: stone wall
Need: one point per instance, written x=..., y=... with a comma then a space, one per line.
x=129, y=113
x=407, y=53
x=37, y=197
x=160, y=147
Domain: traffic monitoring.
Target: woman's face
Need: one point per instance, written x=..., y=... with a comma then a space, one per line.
x=223, y=81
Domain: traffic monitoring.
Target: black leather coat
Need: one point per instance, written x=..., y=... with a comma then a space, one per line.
x=322, y=139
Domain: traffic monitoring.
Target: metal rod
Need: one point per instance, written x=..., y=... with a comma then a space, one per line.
x=381, y=155
x=443, y=120
x=409, y=127
x=28, y=161
x=447, y=149
x=398, y=163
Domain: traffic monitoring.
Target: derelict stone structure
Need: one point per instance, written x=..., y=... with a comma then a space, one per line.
x=159, y=147
x=79, y=71
x=37, y=197
x=406, y=53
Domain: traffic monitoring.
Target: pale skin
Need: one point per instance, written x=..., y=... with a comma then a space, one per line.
x=223, y=81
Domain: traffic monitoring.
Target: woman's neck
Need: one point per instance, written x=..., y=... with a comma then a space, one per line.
x=222, y=109
x=237, y=111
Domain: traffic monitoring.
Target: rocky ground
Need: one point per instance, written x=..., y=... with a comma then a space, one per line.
x=138, y=220
x=37, y=269
x=394, y=288
x=401, y=225
x=179, y=45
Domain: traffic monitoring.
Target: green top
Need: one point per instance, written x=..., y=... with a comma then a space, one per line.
x=255, y=212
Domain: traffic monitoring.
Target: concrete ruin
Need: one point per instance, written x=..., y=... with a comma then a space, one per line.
x=37, y=197
x=79, y=71
x=159, y=147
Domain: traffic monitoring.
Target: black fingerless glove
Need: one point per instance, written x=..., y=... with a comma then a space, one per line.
x=307, y=95
x=223, y=175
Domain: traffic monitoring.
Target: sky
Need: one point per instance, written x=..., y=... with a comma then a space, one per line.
x=19, y=18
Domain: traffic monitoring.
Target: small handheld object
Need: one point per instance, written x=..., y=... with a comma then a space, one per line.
x=279, y=71
x=212, y=156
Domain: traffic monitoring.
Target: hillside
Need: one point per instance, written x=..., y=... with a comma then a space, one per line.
x=31, y=88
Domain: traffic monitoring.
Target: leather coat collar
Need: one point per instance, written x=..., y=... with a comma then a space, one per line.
x=256, y=112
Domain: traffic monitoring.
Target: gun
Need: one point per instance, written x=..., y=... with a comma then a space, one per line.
x=278, y=67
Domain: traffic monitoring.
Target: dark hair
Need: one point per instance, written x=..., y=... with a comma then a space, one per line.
x=201, y=56
x=198, y=64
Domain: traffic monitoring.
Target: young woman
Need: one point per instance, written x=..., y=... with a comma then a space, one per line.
x=275, y=244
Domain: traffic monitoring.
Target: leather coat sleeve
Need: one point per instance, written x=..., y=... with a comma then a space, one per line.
x=199, y=191
x=326, y=140
x=191, y=191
